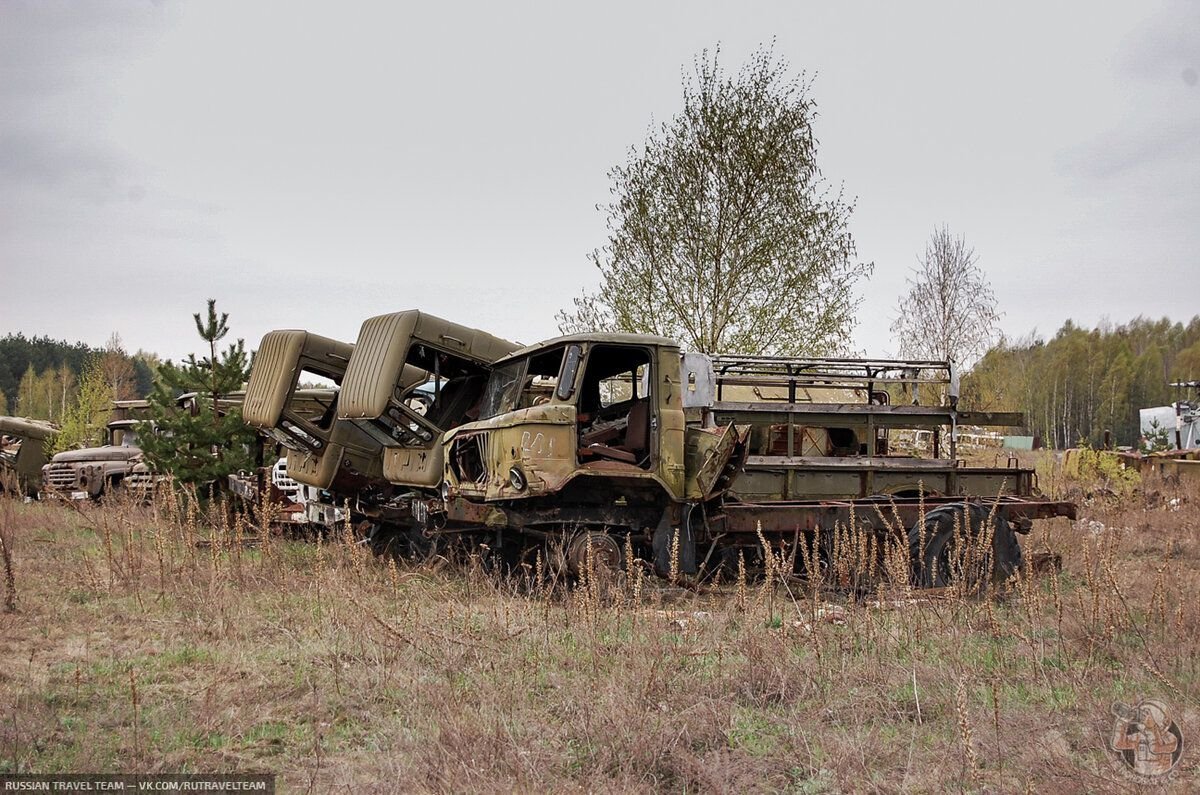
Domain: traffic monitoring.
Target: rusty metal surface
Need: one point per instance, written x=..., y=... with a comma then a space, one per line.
x=709, y=452
x=884, y=416
x=814, y=515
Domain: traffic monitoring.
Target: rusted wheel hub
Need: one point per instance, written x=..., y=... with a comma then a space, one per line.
x=604, y=551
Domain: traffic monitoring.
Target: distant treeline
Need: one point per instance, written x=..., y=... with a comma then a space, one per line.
x=1071, y=388
x=1082, y=382
x=39, y=376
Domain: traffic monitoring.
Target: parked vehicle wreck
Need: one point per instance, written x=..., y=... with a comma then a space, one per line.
x=95, y=471
x=613, y=445
x=642, y=448
x=339, y=455
x=23, y=444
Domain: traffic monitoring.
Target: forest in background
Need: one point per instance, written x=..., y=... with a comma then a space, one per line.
x=1082, y=382
x=1071, y=388
x=40, y=377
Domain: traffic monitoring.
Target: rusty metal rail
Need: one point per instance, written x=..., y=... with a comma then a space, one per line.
x=812, y=515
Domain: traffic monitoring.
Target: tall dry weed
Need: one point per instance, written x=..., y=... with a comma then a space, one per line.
x=8, y=523
x=463, y=678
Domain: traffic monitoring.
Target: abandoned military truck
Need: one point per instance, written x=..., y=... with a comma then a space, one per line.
x=358, y=455
x=95, y=471
x=688, y=460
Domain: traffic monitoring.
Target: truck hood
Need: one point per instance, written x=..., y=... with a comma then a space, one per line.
x=106, y=453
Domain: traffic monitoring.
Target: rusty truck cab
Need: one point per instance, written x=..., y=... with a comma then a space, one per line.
x=292, y=398
x=605, y=408
x=376, y=398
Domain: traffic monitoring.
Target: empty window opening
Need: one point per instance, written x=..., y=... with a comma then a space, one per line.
x=614, y=408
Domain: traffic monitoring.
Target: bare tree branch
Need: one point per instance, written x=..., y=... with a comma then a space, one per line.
x=949, y=311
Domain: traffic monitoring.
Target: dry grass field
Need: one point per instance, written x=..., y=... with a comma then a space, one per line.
x=145, y=641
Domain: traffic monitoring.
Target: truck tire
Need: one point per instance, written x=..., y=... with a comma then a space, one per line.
x=939, y=558
x=407, y=544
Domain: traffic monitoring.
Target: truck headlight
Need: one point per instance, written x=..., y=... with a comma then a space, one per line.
x=517, y=479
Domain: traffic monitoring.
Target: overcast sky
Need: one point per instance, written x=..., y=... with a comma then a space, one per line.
x=313, y=165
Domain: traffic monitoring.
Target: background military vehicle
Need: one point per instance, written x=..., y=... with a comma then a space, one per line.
x=333, y=460
x=292, y=397
x=270, y=497
x=23, y=445
x=95, y=471
x=407, y=421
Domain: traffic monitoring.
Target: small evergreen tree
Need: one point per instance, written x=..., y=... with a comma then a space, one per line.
x=1157, y=438
x=204, y=440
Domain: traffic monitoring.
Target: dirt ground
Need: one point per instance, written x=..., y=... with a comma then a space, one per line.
x=144, y=642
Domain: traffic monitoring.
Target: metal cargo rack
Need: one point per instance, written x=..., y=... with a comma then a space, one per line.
x=795, y=372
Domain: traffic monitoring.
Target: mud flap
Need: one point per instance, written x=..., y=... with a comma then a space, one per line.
x=664, y=537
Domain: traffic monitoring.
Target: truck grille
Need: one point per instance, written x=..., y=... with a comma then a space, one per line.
x=141, y=480
x=468, y=459
x=61, y=476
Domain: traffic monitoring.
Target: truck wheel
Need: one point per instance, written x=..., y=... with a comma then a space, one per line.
x=947, y=548
x=409, y=544
x=595, y=560
x=596, y=548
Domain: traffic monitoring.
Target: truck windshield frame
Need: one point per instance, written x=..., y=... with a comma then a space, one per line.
x=522, y=383
x=503, y=389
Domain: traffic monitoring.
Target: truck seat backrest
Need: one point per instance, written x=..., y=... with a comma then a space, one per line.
x=637, y=436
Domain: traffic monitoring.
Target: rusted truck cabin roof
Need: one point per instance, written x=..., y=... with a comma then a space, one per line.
x=282, y=356
x=130, y=409
x=27, y=428
x=599, y=338
x=388, y=343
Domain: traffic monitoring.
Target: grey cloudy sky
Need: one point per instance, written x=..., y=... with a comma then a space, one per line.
x=310, y=165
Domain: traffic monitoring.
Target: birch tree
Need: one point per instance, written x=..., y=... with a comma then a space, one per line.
x=949, y=311
x=723, y=233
